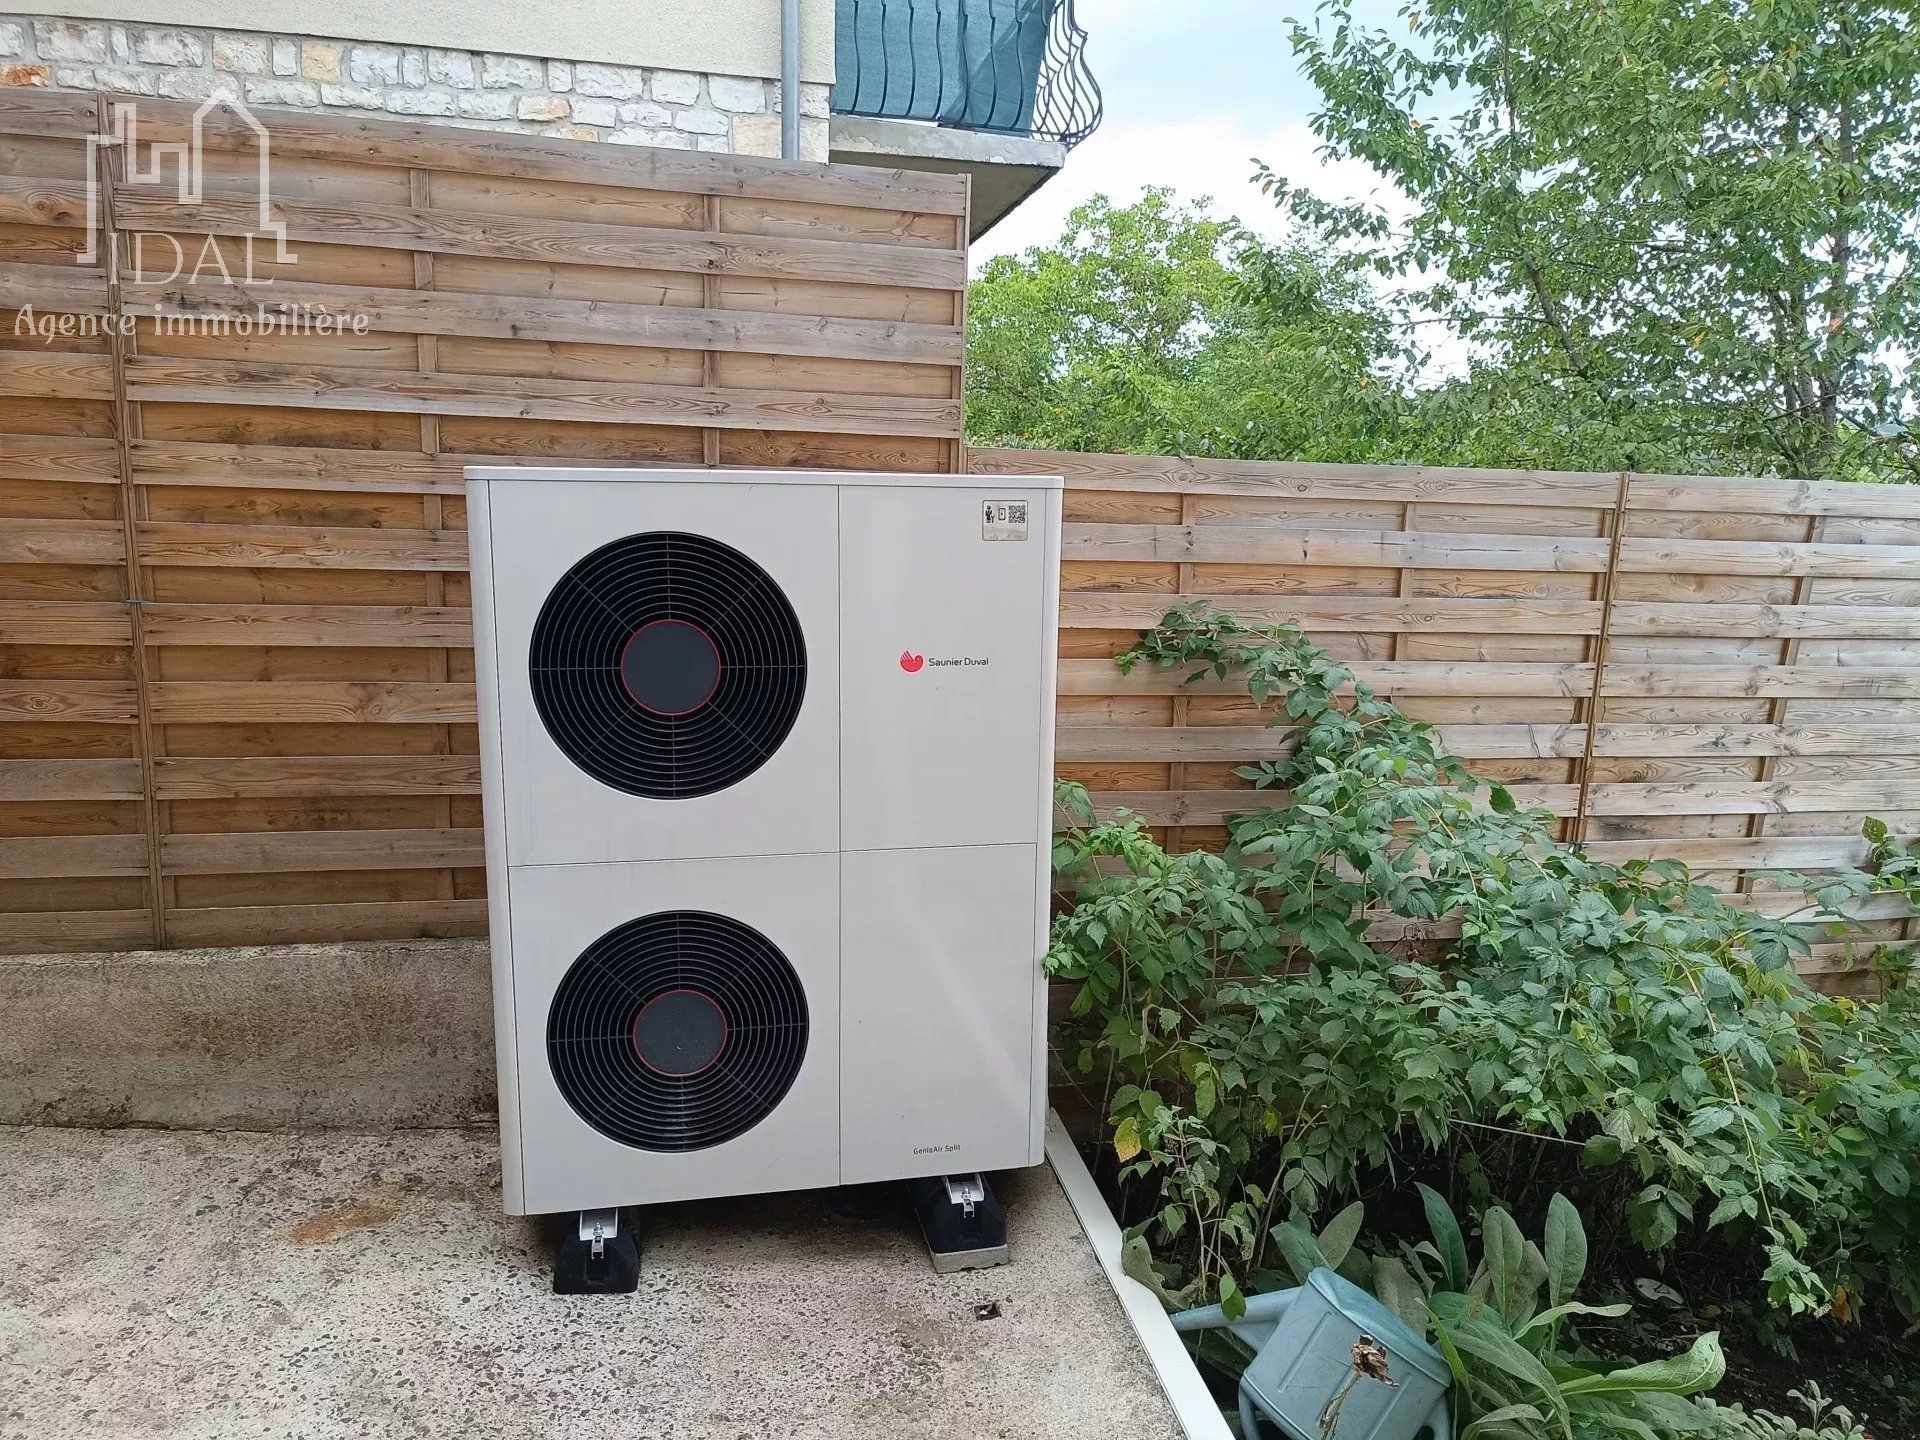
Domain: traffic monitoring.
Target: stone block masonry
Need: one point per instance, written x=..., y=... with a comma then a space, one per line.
x=526, y=94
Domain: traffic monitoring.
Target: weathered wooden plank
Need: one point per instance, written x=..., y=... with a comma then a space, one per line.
x=230, y=777
x=1100, y=677
x=60, y=542
x=55, y=375
x=569, y=242
x=1743, y=495
x=1656, y=740
x=75, y=459
x=1392, y=484
x=28, y=932
x=37, y=200
x=1238, y=744
x=51, y=290
x=300, y=467
x=1455, y=485
x=279, y=851
x=60, y=778
x=29, y=111
x=1331, y=544
x=1791, y=904
x=602, y=322
x=1215, y=807
x=299, y=546
x=1760, y=798
x=62, y=622
x=288, y=702
x=1387, y=926
x=1753, y=557
x=329, y=387
x=48, y=856
x=1111, y=610
x=409, y=626
x=1334, y=544
x=1814, y=852
x=73, y=702
x=1835, y=681
x=438, y=147
x=1731, y=619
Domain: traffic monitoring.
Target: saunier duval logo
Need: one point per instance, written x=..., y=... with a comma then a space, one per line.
x=185, y=277
x=913, y=662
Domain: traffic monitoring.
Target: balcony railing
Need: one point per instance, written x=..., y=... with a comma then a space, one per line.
x=1015, y=67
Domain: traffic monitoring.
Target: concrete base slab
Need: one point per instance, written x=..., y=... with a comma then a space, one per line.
x=196, y=1286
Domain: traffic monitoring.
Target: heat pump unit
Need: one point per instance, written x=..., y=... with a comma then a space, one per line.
x=767, y=763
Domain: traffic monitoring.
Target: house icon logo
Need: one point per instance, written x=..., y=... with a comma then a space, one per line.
x=179, y=166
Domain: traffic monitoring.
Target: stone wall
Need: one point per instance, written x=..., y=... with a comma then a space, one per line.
x=573, y=100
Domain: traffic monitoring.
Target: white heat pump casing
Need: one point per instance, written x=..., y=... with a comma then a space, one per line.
x=556, y=813
x=895, y=847
x=558, y=910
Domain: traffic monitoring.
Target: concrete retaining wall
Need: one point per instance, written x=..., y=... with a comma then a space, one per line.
x=365, y=1036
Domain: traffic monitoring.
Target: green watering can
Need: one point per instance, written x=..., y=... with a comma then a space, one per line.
x=1332, y=1363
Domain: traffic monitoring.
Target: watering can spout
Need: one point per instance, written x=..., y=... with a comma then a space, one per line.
x=1261, y=1318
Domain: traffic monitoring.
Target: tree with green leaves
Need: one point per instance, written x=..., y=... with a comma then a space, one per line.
x=1155, y=328
x=1682, y=234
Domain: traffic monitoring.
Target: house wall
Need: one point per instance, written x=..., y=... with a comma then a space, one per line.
x=541, y=91
x=716, y=37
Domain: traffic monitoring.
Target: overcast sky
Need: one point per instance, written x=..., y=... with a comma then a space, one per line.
x=1195, y=90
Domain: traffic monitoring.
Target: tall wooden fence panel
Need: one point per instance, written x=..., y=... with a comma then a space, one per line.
x=1726, y=671
x=236, y=694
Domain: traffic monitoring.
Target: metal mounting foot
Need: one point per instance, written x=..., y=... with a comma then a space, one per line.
x=598, y=1255
x=964, y=1225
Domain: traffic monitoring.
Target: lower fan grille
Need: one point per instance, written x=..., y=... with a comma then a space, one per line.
x=677, y=1031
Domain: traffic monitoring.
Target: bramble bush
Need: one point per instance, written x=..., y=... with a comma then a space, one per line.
x=1258, y=1055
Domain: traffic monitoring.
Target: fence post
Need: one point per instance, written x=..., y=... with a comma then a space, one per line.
x=1777, y=707
x=108, y=158
x=1603, y=644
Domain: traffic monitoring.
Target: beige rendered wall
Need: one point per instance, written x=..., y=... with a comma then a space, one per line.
x=721, y=37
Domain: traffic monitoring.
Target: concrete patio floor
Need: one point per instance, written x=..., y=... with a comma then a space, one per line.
x=302, y=1286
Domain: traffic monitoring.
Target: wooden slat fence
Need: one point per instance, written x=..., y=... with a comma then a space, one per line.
x=236, y=694
x=1722, y=670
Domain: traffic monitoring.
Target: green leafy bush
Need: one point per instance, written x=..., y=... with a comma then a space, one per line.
x=1824, y=1421
x=1257, y=1051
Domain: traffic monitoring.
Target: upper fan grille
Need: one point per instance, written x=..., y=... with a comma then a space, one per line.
x=668, y=665
x=677, y=1031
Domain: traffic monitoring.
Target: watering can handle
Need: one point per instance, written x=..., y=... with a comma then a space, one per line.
x=1261, y=1310
x=1439, y=1422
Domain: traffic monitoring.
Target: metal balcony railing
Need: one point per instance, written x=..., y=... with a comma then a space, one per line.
x=1016, y=67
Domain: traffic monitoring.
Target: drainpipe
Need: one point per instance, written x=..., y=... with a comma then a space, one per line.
x=790, y=79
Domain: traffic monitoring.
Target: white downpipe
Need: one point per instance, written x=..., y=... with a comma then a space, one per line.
x=789, y=79
x=1193, y=1404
